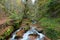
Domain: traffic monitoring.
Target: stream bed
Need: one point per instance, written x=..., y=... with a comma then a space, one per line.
x=26, y=35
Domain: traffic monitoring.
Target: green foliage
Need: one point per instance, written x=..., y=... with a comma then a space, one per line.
x=51, y=33
x=54, y=8
x=16, y=16
x=58, y=34
x=51, y=9
x=2, y=38
x=49, y=22
x=43, y=7
x=51, y=27
x=38, y=10
x=16, y=25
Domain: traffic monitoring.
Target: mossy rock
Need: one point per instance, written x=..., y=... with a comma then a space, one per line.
x=1, y=38
x=7, y=33
x=26, y=27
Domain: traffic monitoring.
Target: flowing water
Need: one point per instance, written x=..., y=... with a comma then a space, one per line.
x=32, y=30
x=33, y=1
x=14, y=34
x=25, y=36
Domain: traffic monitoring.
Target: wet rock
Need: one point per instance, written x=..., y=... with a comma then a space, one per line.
x=33, y=35
x=20, y=33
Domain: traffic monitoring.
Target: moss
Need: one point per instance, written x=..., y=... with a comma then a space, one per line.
x=7, y=33
x=2, y=38
x=27, y=28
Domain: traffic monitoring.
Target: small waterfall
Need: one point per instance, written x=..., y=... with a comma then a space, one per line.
x=25, y=36
x=33, y=1
x=31, y=31
x=14, y=34
x=13, y=37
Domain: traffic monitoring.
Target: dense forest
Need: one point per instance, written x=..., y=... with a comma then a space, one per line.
x=45, y=12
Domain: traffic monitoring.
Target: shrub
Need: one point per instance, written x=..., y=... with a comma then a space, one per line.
x=51, y=33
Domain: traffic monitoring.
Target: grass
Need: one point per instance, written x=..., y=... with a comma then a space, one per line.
x=51, y=27
x=47, y=22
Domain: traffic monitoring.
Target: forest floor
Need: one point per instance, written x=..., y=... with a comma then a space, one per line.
x=2, y=21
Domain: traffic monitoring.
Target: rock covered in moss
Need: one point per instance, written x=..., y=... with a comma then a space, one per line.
x=6, y=32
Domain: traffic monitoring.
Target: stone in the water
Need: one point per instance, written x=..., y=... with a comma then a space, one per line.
x=33, y=36
x=20, y=33
x=18, y=37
